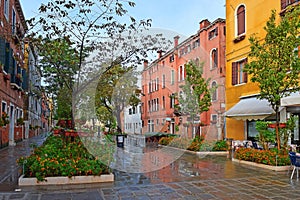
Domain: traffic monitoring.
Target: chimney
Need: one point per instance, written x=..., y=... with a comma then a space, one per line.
x=145, y=64
x=159, y=53
x=204, y=23
x=176, y=39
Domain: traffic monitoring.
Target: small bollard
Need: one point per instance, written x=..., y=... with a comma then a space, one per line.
x=230, y=149
x=120, y=141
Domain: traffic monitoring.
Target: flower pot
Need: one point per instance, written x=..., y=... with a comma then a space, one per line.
x=280, y=125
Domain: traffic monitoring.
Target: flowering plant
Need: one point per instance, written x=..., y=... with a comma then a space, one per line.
x=268, y=157
x=4, y=119
x=59, y=157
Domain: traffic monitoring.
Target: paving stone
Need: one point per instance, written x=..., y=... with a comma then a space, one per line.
x=87, y=196
x=56, y=196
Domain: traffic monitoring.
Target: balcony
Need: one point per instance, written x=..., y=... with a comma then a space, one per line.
x=286, y=3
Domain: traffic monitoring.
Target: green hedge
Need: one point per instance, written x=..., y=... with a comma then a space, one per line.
x=196, y=144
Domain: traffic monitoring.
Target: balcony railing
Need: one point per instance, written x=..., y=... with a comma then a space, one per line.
x=286, y=3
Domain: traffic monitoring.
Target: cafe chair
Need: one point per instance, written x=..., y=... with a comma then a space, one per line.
x=295, y=161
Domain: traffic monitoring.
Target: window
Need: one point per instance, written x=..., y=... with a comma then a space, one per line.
x=181, y=73
x=197, y=62
x=214, y=91
x=172, y=58
x=4, y=107
x=172, y=77
x=130, y=111
x=172, y=100
x=163, y=85
x=213, y=33
x=149, y=106
x=6, y=7
x=214, y=118
x=196, y=43
x=13, y=22
x=240, y=20
x=153, y=85
x=214, y=58
x=188, y=48
x=150, y=126
x=149, y=87
x=157, y=104
x=238, y=75
x=157, y=83
x=163, y=103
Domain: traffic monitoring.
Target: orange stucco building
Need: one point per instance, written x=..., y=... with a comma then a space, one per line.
x=162, y=78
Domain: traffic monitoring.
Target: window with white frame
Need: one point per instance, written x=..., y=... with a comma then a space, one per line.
x=3, y=107
x=150, y=125
x=172, y=77
x=13, y=22
x=240, y=21
x=213, y=33
x=157, y=84
x=172, y=100
x=214, y=58
x=149, y=87
x=239, y=76
x=214, y=118
x=181, y=73
x=163, y=85
x=6, y=8
x=214, y=91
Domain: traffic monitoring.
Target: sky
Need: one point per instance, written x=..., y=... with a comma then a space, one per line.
x=179, y=16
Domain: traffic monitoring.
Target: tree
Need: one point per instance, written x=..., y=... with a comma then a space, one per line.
x=116, y=90
x=274, y=61
x=196, y=96
x=102, y=33
x=59, y=65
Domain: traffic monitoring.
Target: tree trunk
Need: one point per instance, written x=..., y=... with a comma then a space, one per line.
x=276, y=128
x=119, y=123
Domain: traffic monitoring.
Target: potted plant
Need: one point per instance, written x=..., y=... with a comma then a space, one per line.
x=4, y=119
x=19, y=76
x=56, y=130
x=20, y=121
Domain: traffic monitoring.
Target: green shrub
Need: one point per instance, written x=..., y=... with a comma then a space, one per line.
x=165, y=140
x=220, y=145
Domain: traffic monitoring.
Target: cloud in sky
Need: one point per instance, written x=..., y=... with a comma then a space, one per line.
x=181, y=16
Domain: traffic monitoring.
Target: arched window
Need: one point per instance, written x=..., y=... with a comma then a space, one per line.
x=197, y=61
x=214, y=58
x=214, y=91
x=240, y=20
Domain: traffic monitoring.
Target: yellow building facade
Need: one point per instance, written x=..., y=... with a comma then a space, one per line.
x=244, y=18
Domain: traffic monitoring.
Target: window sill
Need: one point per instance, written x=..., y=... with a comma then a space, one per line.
x=239, y=38
x=239, y=84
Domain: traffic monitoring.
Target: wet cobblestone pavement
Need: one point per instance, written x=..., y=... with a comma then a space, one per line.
x=189, y=177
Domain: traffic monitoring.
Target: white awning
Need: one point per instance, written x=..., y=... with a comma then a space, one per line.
x=251, y=109
x=292, y=100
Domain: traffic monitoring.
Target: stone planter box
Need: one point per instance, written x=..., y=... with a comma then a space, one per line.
x=66, y=180
x=201, y=153
x=254, y=164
